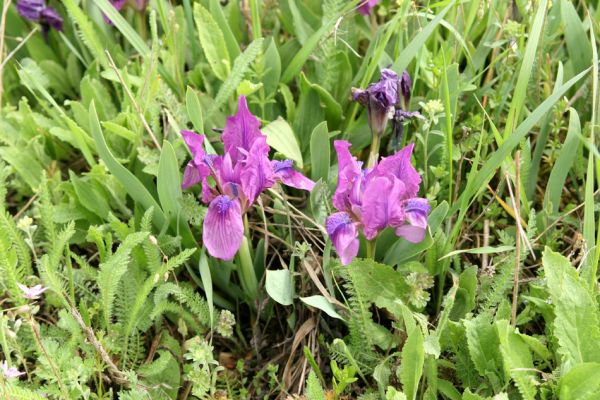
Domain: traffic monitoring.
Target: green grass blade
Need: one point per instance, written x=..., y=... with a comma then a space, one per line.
x=520, y=92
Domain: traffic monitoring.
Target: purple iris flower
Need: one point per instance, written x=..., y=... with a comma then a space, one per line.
x=373, y=199
x=366, y=6
x=37, y=11
x=240, y=176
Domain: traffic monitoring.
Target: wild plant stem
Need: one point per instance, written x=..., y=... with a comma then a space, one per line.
x=517, y=203
x=246, y=271
x=371, y=246
x=374, y=152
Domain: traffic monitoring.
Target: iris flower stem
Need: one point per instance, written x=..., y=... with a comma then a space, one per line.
x=374, y=152
x=246, y=271
x=371, y=245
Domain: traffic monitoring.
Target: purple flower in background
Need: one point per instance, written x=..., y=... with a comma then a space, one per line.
x=240, y=176
x=10, y=372
x=373, y=199
x=37, y=11
x=366, y=6
x=381, y=99
x=140, y=5
x=32, y=292
x=405, y=87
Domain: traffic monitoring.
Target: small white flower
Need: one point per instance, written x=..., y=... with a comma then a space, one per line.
x=10, y=372
x=32, y=292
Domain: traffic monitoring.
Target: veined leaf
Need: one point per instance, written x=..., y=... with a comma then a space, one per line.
x=517, y=359
x=281, y=137
x=212, y=40
x=413, y=357
x=577, y=324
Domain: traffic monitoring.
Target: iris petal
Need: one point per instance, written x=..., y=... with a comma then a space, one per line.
x=344, y=236
x=285, y=173
x=223, y=228
x=241, y=130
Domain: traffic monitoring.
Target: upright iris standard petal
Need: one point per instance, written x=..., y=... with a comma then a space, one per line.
x=344, y=236
x=223, y=227
x=286, y=174
x=416, y=211
x=197, y=170
x=241, y=130
x=257, y=172
x=382, y=205
x=366, y=6
x=349, y=170
x=400, y=166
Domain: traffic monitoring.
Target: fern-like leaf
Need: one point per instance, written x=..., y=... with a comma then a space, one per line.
x=113, y=269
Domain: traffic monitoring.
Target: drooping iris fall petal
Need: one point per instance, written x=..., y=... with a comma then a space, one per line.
x=382, y=205
x=223, y=227
x=241, y=130
x=286, y=174
x=344, y=236
x=416, y=211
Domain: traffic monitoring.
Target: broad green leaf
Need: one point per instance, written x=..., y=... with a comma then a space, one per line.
x=413, y=357
x=322, y=304
x=320, y=153
x=281, y=137
x=333, y=110
x=280, y=286
x=194, y=109
x=582, y=382
x=204, y=269
x=89, y=196
x=216, y=10
x=481, y=337
x=577, y=324
x=517, y=360
x=130, y=182
x=212, y=41
x=168, y=181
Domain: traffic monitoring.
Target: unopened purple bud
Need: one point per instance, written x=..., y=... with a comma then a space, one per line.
x=405, y=87
x=31, y=9
x=49, y=16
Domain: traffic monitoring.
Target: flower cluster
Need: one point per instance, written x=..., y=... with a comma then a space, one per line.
x=366, y=6
x=373, y=199
x=37, y=11
x=232, y=182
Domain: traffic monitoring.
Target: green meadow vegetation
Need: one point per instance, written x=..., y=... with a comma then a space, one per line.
x=299, y=199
